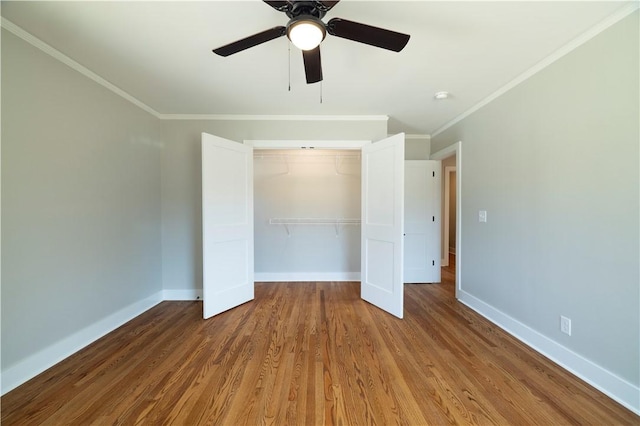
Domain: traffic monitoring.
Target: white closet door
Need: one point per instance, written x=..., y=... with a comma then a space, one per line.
x=422, y=221
x=227, y=224
x=382, y=224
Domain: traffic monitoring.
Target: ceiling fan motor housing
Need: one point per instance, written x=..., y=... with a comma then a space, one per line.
x=309, y=8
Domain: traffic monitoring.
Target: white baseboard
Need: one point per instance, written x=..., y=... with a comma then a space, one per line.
x=35, y=364
x=605, y=381
x=175, y=295
x=306, y=276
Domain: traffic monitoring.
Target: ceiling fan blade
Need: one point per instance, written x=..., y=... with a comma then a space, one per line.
x=254, y=40
x=367, y=34
x=280, y=6
x=312, y=65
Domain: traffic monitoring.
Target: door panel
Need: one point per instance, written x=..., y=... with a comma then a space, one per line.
x=382, y=224
x=227, y=224
x=422, y=257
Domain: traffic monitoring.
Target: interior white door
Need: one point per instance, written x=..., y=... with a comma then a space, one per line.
x=227, y=224
x=382, y=224
x=422, y=218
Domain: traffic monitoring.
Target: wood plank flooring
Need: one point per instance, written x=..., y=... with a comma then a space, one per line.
x=311, y=354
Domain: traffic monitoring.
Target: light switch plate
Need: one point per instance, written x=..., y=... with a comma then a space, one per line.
x=565, y=325
x=482, y=216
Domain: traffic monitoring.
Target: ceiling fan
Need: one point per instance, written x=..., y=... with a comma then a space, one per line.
x=306, y=31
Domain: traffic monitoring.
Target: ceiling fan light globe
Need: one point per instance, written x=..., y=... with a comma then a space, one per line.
x=306, y=34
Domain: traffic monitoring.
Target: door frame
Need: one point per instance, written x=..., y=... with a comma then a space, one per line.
x=451, y=150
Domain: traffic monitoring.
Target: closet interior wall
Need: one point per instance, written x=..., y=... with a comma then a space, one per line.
x=307, y=215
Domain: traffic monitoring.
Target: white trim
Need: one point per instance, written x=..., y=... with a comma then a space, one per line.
x=263, y=117
x=175, y=295
x=605, y=381
x=306, y=276
x=36, y=42
x=35, y=364
x=1, y=196
x=455, y=149
x=567, y=48
x=304, y=144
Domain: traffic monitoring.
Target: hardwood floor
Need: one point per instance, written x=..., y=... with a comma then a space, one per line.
x=311, y=353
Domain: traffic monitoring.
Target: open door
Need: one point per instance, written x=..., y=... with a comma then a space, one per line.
x=227, y=224
x=382, y=224
x=422, y=233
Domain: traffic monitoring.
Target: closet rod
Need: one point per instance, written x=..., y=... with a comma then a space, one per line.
x=312, y=221
x=286, y=222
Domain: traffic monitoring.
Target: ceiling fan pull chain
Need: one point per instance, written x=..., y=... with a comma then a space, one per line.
x=289, y=46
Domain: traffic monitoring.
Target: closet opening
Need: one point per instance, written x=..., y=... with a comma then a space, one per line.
x=307, y=210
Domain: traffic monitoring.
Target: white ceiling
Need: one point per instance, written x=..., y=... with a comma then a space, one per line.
x=160, y=53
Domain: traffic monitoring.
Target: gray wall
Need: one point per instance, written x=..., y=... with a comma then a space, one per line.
x=181, y=180
x=554, y=162
x=417, y=147
x=80, y=202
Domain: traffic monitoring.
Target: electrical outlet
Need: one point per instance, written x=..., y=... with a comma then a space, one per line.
x=565, y=325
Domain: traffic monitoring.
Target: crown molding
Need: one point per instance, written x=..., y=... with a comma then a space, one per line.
x=567, y=48
x=258, y=117
x=55, y=53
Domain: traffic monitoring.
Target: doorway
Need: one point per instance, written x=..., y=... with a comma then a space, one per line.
x=449, y=210
x=454, y=151
x=307, y=215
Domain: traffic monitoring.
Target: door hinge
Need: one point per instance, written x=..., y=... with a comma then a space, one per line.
x=434, y=174
x=433, y=218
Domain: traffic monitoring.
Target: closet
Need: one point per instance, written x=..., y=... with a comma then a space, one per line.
x=307, y=215
x=314, y=213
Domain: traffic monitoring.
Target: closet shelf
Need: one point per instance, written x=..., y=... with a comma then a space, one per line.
x=304, y=156
x=286, y=222
x=312, y=221
x=311, y=157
